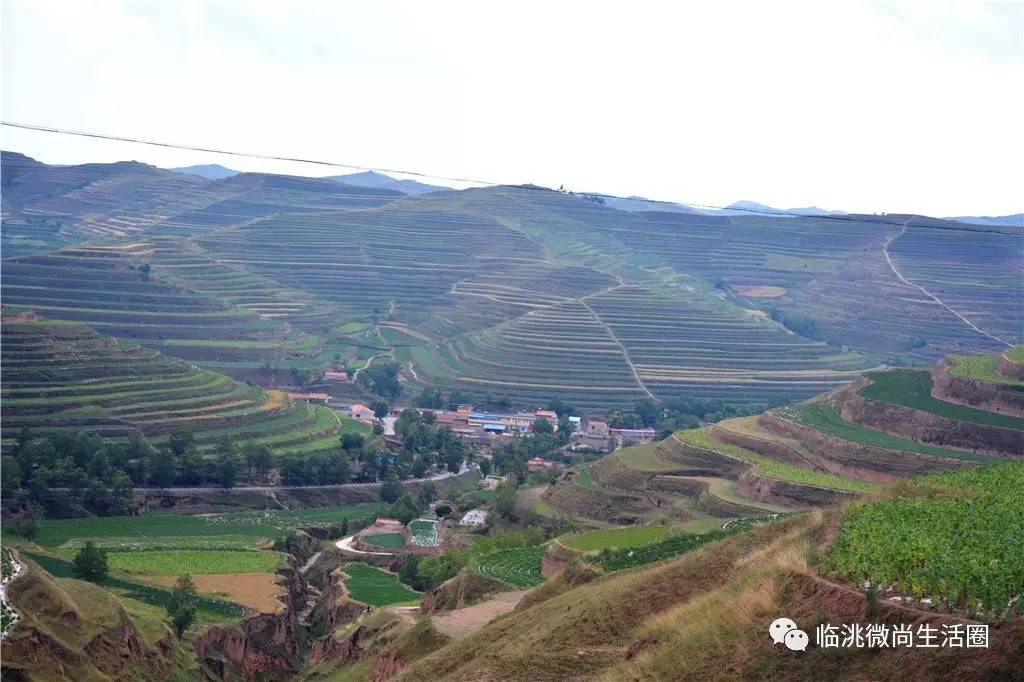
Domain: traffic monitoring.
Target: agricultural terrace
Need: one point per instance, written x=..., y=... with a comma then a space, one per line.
x=965, y=547
x=376, y=587
x=823, y=416
x=137, y=595
x=615, y=538
x=519, y=567
x=106, y=288
x=63, y=375
x=216, y=531
x=913, y=389
x=980, y=368
x=770, y=468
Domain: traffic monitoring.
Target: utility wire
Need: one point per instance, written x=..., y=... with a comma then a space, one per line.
x=862, y=218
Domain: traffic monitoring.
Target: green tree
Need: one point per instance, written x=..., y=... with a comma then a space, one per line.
x=90, y=563
x=428, y=492
x=261, y=459
x=181, y=607
x=181, y=442
x=485, y=467
x=542, y=426
x=123, y=491
x=227, y=471
x=391, y=490
x=380, y=408
x=10, y=473
x=161, y=469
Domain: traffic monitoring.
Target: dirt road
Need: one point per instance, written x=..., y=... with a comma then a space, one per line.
x=464, y=621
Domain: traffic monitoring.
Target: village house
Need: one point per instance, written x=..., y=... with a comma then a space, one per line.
x=635, y=435
x=362, y=413
x=597, y=427
x=335, y=375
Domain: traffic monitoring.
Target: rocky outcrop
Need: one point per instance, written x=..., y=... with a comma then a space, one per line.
x=984, y=395
x=265, y=644
x=925, y=427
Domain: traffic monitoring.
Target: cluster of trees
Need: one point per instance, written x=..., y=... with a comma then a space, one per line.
x=679, y=413
x=382, y=379
x=96, y=473
x=434, y=399
x=404, y=506
x=804, y=326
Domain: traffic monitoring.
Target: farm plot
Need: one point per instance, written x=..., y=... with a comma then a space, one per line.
x=384, y=539
x=176, y=562
x=376, y=587
x=966, y=549
x=517, y=567
x=424, y=533
x=166, y=531
x=981, y=368
x=615, y=538
x=913, y=389
x=620, y=559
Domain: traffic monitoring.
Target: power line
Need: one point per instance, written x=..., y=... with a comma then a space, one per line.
x=335, y=164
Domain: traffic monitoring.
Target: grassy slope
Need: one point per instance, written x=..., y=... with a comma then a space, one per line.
x=376, y=587
x=980, y=368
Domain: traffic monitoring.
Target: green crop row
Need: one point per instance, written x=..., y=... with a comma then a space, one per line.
x=517, y=567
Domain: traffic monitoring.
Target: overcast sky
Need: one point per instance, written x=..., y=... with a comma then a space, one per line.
x=852, y=105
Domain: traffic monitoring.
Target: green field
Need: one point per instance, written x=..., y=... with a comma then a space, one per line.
x=770, y=468
x=384, y=539
x=980, y=368
x=823, y=417
x=156, y=528
x=615, y=538
x=209, y=608
x=194, y=562
x=1015, y=354
x=912, y=389
x=376, y=587
x=965, y=547
x=619, y=559
x=517, y=567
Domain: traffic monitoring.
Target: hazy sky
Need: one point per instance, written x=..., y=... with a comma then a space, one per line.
x=853, y=105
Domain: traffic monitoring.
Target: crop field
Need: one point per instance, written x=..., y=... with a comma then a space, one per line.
x=376, y=587
x=1015, y=354
x=424, y=533
x=615, y=538
x=822, y=416
x=913, y=389
x=517, y=567
x=964, y=549
x=619, y=559
x=770, y=468
x=981, y=368
x=116, y=387
x=165, y=531
x=209, y=609
x=176, y=562
x=384, y=539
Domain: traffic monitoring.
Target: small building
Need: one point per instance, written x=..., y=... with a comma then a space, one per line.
x=388, y=523
x=498, y=429
x=362, y=413
x=548, y=415
x=635, y=435
x=538, y=464
x=335, y=375
x=597, y=427
x=474, y=517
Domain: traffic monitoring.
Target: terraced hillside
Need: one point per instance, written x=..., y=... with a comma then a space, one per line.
x=519, y=292
x=879, y=429
x=64, y=375
x=119, y=292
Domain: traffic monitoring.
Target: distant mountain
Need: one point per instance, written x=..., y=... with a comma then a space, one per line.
x=743, y=207
x=642, y=204
x=1014, y=220
x=210, y=171
x=381, y=181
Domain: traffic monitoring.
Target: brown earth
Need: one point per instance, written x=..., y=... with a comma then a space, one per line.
x=762, y=291
x=983, y=395
x=465, y=588
x=1010, y=369
x=258, y=591
x=789, y=494
x=461, y=622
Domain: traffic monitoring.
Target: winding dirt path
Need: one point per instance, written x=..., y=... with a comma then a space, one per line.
x=892, y=266
x=345, y=544
x=613, y=337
